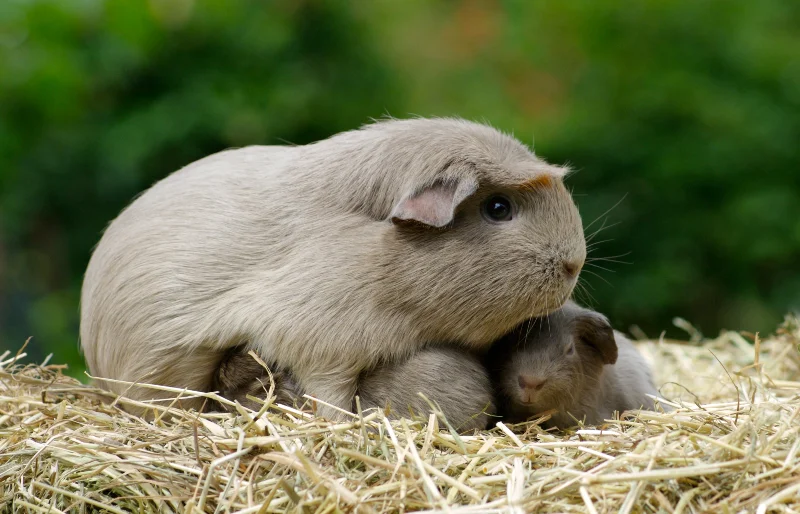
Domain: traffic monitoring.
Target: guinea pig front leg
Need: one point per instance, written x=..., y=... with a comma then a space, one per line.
x=336, y=387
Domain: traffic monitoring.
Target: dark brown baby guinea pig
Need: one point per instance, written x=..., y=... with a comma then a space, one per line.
x=239, y=375
x=570, y=361
x=452, y=378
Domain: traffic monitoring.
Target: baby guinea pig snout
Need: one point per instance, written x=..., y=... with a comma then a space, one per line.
x=543, y=374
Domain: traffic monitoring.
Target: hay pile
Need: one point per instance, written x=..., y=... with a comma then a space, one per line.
x=731, y=445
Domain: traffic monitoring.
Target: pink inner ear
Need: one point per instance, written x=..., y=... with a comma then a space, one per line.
x=436, y=204
x=432, y=206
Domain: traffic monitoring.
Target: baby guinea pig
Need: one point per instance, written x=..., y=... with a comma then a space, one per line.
x=453, y=379
x=239, y=375
x=571, y=361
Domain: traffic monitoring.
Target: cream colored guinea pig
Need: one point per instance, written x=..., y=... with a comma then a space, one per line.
x=329, y=257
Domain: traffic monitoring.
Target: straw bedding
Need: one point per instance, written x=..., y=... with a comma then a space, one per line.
x=730, y=445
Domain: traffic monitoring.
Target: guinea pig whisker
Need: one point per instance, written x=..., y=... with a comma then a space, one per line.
x=600, y=267
x=528, y=325
x=568, y=398
x=597, y=275
x=611, y=256
x=580, y=290
x=603, y=224
x=605, y=213
x=594, y=234
x=287, y=142
x=536, y=321
x=547, y=308
x=592, y=246
x=603, y=259
x=585, y=283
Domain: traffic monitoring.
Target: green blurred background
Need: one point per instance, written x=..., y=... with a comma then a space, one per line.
x=683, y=114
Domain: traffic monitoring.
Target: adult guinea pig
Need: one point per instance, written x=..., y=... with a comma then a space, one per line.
x=456, y=381
x=571, y=361
x=329, y=257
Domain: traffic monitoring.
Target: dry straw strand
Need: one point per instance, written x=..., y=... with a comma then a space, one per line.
x=730, y=444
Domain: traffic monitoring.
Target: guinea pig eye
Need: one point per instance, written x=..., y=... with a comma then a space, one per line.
x=497, y=208
x=570, y=349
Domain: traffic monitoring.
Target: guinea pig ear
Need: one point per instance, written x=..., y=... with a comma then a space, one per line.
x=594, y=329
x=434, y=205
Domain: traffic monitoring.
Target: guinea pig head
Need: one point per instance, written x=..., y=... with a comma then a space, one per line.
x=489, y=238
x=557, y=360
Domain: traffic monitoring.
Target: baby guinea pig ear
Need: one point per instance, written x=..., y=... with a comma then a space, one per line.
x=595, y=330
x=435, y=204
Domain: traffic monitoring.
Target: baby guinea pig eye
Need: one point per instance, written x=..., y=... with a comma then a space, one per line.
x=497, y=208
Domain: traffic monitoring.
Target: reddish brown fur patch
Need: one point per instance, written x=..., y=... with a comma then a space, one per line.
x=542, y=181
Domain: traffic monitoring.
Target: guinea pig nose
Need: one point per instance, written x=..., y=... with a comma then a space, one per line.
x=529, y=382
x=571, y=268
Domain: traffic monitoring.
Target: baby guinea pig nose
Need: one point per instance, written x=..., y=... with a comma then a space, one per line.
x=530, y=382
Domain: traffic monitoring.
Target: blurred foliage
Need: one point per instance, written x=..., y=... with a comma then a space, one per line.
x=684, y=115
x=100, y=99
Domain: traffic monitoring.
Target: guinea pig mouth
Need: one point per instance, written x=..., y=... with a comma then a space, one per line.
x=563, y=297
x=529, y=400
x=538, y=401
x=555, y=302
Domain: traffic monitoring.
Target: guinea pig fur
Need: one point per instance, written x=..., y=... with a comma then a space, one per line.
x=454, y=380
x=329, y=257
x=572, y=362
